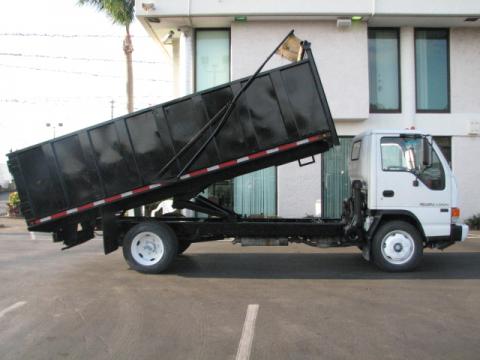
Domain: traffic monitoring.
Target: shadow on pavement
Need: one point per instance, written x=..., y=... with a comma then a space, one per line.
x=458, y=265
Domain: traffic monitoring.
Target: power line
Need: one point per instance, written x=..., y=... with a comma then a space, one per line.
x=74, y=99
x=76, y=58
x=79, y=73
x=19, y=34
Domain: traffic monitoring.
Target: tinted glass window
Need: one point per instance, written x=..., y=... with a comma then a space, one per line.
x=356, y=150
x=431, y=70
x=212, y=64
x=384, y=70
x=406, y=154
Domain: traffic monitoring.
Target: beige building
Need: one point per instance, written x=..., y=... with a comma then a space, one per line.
x=383, y=64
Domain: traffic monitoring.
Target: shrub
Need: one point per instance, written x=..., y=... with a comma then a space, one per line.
x=474, y=222
x=13, y=204
x=13, y=199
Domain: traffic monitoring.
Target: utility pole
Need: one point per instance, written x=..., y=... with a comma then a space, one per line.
x=54, y=127
x=112, y=106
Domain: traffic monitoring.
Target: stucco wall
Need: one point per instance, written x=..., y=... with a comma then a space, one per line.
x=342, y=61
x=298, y=188
x=341, y=56
x=465, y=152
x=465, y=70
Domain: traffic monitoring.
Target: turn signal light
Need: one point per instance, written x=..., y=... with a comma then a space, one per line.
x=455, y=213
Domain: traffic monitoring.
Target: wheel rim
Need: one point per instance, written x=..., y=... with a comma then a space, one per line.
x=147, y=248
x=398, y=247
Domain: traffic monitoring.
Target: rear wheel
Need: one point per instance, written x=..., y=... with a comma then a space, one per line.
x=150, y=247
x=397, y=246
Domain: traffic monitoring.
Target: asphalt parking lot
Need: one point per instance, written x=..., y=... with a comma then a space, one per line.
x=312, y=304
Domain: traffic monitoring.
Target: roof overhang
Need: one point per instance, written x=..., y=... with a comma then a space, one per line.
x=162, y=16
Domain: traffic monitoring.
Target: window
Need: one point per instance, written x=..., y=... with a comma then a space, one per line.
x=212, y=63
x=406, y=154
x=212, y=68
x=445, y=145
x=356, y=150
x=384, y=70
x=432, y=70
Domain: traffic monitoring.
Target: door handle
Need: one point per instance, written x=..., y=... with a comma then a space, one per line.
x=388, y=193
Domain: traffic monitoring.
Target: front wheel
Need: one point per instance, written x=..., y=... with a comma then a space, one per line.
x=397, y=246
x=150, y=247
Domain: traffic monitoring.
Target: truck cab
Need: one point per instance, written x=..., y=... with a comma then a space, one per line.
x=408, y=195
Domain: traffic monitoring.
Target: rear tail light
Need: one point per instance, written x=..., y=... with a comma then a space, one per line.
x=455, y=214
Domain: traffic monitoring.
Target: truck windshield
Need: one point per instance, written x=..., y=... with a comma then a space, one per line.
x=405, y=154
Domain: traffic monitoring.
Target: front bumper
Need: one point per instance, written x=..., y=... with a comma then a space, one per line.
x=459, y=232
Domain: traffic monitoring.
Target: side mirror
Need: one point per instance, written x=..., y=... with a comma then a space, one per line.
x=427, y=152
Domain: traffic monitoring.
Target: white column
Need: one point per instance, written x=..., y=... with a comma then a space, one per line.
x=186, y=61
x=407, y=64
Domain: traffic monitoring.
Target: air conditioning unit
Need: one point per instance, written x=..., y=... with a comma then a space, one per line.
x=474, y=127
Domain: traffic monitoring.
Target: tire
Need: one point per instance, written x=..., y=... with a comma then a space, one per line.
x=397, y=247
x=183, y=245
x=150, y=247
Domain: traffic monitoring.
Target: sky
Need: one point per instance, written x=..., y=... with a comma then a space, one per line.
x=64, y=63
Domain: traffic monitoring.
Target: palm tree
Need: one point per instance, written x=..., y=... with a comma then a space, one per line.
x=121, y=12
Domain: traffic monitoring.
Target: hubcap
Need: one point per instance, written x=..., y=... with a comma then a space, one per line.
x=147, y=248
x=398, y=247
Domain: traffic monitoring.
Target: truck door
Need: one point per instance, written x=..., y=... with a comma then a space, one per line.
x=405, y=183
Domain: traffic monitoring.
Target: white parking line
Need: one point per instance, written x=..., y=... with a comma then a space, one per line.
x=32, y=235
x=245, y=345
x=12, y=307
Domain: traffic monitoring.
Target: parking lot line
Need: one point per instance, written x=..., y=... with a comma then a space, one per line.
x=12, y=307
x=245, y=345
x=32, y=235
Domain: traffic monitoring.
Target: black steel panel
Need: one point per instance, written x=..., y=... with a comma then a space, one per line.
x=81, y=182
x=42, y=183
x=147, y=144
x=304, y=100
x=185, y=119
x=282, y=106
x=264, y=112
x=232, y=142
x=109, y=155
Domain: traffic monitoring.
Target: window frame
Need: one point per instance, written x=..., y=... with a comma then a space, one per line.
x=432, y=111
x=399, y=109
x=196, y=30
x=356, y=156
x=443, y=172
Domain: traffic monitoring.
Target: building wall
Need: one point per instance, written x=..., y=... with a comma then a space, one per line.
x=342, y=61
x=299, y=189
x=465, y=153
x=340, y=55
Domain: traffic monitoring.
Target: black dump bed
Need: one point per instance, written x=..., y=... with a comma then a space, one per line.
x=281, y=117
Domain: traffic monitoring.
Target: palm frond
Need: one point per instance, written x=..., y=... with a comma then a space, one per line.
x=120, y=11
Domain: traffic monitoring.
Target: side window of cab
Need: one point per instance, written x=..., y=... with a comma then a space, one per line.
x=405, y=154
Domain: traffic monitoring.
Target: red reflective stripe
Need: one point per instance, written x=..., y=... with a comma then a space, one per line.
x=85, y=207
x=198, y=172
x=113, y=198
x=146, y=188
x=287, y=146
x=227, y=164
x=59, y=215
x=258, y=155
x=142, y=189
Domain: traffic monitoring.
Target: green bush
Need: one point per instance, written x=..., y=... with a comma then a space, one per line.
x=13, y=199
x=474, y=222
